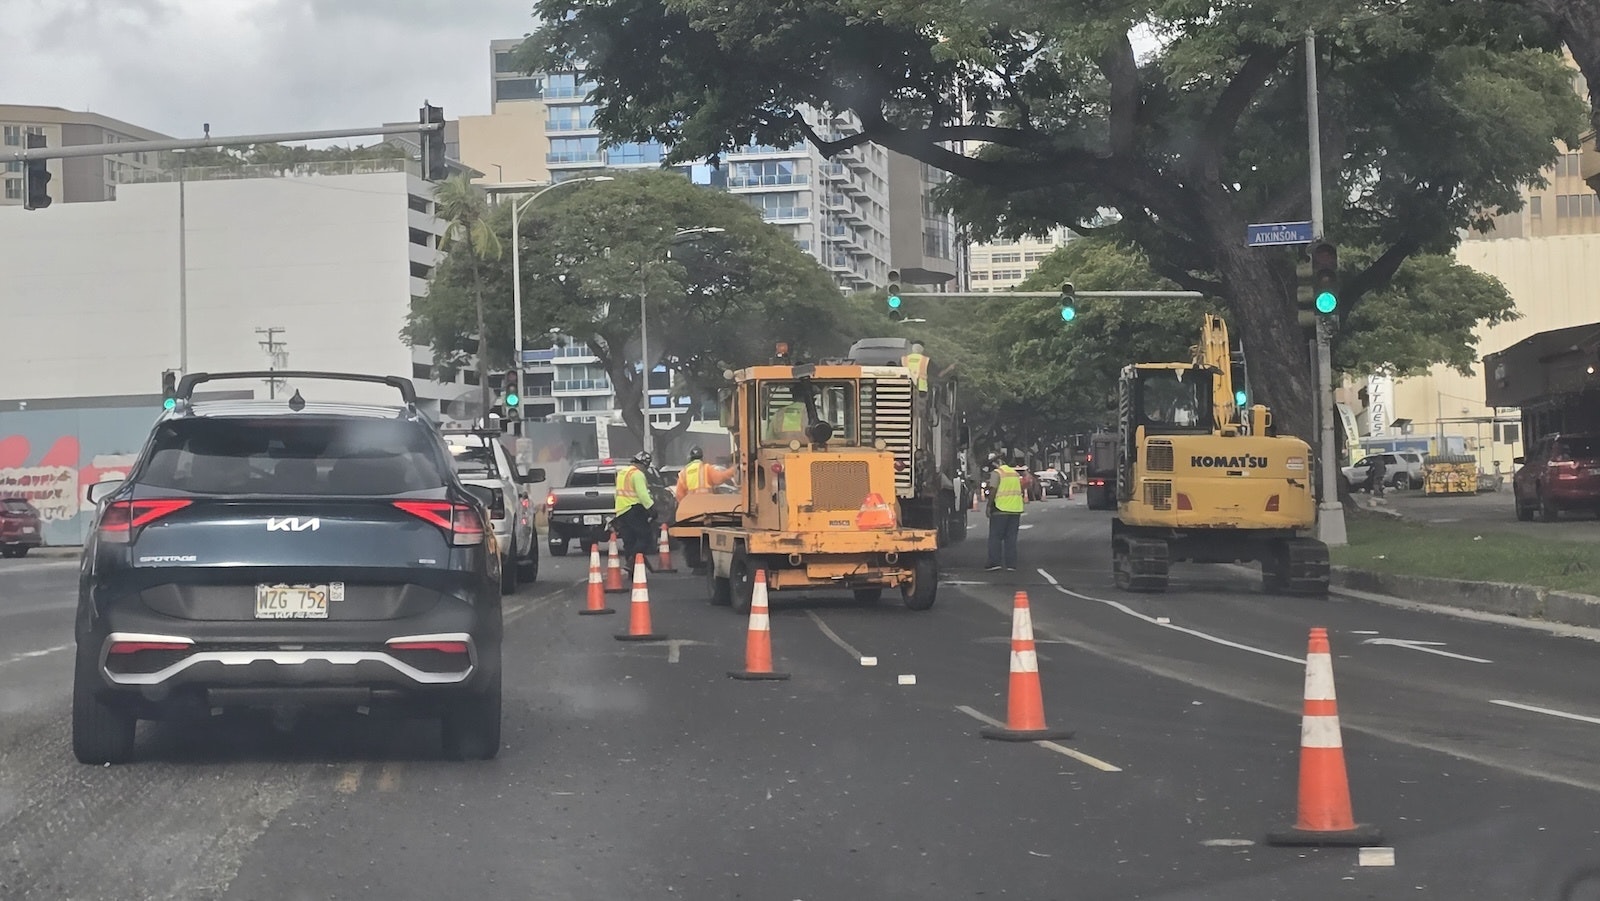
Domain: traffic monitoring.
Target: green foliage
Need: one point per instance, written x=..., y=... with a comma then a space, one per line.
x=1433, y=113
x=719, y=300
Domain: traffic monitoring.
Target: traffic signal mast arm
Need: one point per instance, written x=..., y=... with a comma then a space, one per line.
x=1190, y=295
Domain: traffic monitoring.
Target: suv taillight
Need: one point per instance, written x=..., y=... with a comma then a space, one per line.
x=460, y=521
x=121, y=519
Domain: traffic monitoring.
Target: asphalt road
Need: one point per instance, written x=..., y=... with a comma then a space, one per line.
x=643, y=772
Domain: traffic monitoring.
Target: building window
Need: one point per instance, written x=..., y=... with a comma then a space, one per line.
x=561, y=85
x=570, y=118
x=779, y=205
x=13, y=135
x=574, y=150
x=1536, y=207
x=14, y=166
x=517, y=89
x=1000, y=275
x=766, y=173
x=1006, y=258
x=980, y=275
x=1034, y=256
x=504, y=62
x=13, y=189
x=635, y=153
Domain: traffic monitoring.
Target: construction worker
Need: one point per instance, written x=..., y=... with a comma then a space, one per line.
x=916, y=364
x=635, y=509
x=788, y=422
x=1005, y=514
x=699, y=477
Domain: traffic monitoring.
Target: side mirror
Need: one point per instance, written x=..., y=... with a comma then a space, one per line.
x=531, y=475
x=1518, y=461
x=820, y=431
x=485, y=496
x=99, y=491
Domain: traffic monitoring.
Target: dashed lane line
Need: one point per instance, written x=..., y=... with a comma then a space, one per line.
x=834, y=636
x=1077, y=755
x=29, y=655
x=1547, y=711
x=1124, y=608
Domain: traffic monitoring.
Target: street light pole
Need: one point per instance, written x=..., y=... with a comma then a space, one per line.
x=516, y=260
x=647, y=438
x=1330, y=515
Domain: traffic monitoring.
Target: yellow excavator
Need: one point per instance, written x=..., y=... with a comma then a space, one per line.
x=1201, y=480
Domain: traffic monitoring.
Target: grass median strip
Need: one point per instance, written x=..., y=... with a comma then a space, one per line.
x=1382, y=544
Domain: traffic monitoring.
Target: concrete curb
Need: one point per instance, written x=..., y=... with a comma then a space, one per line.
x=1522, y=601
x=62, y=551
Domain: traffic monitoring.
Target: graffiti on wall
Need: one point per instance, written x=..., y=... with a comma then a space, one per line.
x=53, y=477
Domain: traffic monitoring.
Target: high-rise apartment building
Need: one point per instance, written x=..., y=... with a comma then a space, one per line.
x=72, y=180
x=1003, y=265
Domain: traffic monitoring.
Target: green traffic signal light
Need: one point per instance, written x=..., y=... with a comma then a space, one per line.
x=169, y=403
x=1326, y=302
x=1239, y=398
x=512, y=399
x=1069, y=313
x=894, y=301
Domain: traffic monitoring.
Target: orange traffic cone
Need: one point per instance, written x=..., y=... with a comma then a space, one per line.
x=758, y=640
x=1325, y=817
x=597, y=592
x=1025, y=705
x=639, y=609
x=664, y=554
x=614, y=581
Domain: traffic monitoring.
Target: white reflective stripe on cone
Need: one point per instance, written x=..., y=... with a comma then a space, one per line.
x=1319, y=677
x=1024, y=661
x=1021, y=624
x=1320, y=732
x=759, y=623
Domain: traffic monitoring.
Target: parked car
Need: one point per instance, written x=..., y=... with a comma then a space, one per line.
x=1053, y=483
x=286, y=553
x=480, y=459
x=1402, y=469
x=21, y=530
x=1560, y=472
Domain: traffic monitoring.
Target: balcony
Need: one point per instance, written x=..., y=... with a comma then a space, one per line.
x=838, y=262
x=836, y=202
x=834, y=171
x=576, y=158
x=786, y=214
x=767, y=181
x=854, y=213
x=581, y=386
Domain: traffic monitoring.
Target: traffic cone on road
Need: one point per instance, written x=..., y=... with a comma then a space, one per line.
x=758, y=639
x=664, y=553
x=597, y=592
x=1025, y=704
x=1324, y=816
x=639, y=609
x=614, y=581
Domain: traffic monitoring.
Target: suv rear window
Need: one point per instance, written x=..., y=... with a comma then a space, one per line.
x=1578, y=449
x=298, y=457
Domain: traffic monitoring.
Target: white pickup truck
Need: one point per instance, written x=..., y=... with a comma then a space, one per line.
x=1400, y=469
x=480, y=459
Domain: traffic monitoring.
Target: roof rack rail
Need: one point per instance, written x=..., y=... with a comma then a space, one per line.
x=408, y=391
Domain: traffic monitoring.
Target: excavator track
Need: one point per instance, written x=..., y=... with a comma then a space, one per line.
x=1140, y=564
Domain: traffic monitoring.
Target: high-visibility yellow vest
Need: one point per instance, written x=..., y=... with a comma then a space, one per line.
x=789, y=420
x=1008, y=497
x=693, y=476
x=917, y=365
x=632, y=490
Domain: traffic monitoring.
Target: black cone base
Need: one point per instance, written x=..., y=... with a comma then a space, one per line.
x=603, y=611
x=1360, y=836
x=748, y=676
x=999, y=733
x=650, y=637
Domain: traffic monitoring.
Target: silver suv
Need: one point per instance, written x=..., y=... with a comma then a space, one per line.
x=481, y=460
x=1400, y=469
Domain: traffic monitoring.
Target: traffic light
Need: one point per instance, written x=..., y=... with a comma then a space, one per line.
x=1325, y=278
x=1069, y=302
x=169, y=389
x=433, y=164
x=38, y=178
x=1239, y=397
x=513, y=391
x=895, y=312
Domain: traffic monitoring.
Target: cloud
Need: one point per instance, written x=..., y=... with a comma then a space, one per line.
x=253, y=66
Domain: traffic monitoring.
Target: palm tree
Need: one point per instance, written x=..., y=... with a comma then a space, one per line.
x=466, y=215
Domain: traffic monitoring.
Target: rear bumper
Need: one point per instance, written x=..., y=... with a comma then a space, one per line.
x=567, y=526
x=250, y=664
x=21, y=539
x=1576, y=493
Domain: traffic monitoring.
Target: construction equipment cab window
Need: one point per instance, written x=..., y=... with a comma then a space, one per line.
x=788, y=407
x=1174, y=401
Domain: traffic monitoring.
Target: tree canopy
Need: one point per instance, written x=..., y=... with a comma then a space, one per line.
x=1433, y=112
x=717, y=301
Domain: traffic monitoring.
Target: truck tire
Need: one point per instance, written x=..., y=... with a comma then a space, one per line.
x=692, y=557
x=718, y=588
x=923, y=589
x=508, y=574
x=558, y=547
x=741, y=582
x=528, y=567
x=101, y=733
x=867, y=595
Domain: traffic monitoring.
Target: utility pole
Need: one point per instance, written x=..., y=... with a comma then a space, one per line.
x=274, y=358
x=183, y=269
x=1330, y=514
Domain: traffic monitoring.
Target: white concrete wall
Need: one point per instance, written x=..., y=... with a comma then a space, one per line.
x=89, y=292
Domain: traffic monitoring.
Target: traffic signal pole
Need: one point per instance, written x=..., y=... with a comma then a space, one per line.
x=1330, y=513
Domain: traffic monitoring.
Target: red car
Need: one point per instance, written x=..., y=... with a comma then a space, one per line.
x=1561, y=472
x=20, y=528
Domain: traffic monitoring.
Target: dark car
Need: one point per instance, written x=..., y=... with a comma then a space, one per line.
x=21, y=530
x=582, y=508
x=285, y=553
x=1560, y=472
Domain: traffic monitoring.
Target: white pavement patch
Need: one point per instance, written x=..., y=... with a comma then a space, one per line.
x=1164, y=623
x=834, y=636
x=1228, y=842
x=1549, y=711
x=29, y=655
x=1075, y=754
x=1427, y=647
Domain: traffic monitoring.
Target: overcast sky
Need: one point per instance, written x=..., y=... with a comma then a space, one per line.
x=254, y=66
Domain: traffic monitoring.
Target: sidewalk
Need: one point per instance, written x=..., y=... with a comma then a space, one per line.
x=1490, y=512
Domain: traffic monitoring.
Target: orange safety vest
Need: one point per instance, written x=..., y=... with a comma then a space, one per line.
x=692, y=479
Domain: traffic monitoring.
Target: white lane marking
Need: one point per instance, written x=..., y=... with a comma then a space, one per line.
x=1227, y=843
x=1549, y=712
x=1075, y=754
x=1025, y=526
x=908, y=679
x=1427, y=647
x=1364, y=632
x=675, y=647
x=834, y=636
x=1161, y=621
x=1375, y=857
x=28, y=655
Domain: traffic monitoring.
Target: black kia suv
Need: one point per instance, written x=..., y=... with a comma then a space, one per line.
x=284, y=554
